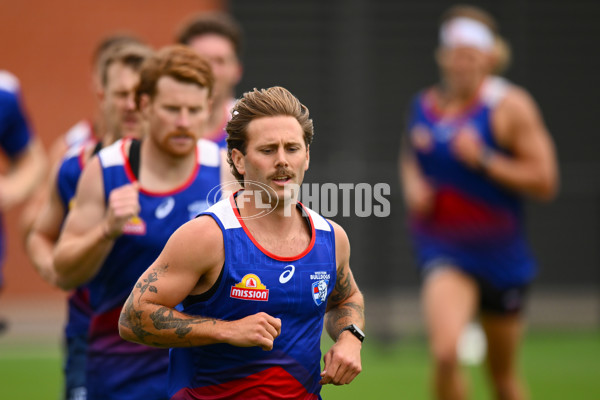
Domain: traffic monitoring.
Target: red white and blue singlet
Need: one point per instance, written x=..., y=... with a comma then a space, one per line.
x=80, y=133
x=118, y=369
x=476, y=224
x=294, y=289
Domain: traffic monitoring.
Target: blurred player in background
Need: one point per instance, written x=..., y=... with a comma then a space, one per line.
x=130, y=199
x=86, y=130
x=24, y=154
x=476, y=145
x=118, y=70
x=217, y=37
x=254, y=291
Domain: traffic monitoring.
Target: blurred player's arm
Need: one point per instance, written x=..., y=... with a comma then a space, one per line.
x=45, y=231
x=345, y=306
x=532, y=167
x=26, y=171
x=418, y=192
x=42, y=193
x=190, y=263
x=92, y=227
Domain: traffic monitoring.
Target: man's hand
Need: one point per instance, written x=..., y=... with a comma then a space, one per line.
x=468, y=148
x=123, y=204
x=342, y=361
x=7, y=198
x=254, y=330
x=420, y=197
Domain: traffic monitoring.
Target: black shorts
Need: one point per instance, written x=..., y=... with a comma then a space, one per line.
x=492, y=300
x=501, y=301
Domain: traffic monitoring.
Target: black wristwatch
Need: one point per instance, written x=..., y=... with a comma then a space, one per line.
x=355, y=330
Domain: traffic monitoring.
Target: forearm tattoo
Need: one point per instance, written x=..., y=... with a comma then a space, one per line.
x=163, y=318
x=342, y=315
x=132, y=319
x=344, y=309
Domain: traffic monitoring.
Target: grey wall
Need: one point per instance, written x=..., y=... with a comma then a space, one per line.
x=356, y=64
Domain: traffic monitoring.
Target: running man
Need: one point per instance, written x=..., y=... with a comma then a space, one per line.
x=476, y=145
x=242, y=298
x=129, y=200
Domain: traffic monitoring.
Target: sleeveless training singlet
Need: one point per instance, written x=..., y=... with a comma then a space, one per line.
x=476, y=224
x=294, y=289
x=79, y=311
x=118, y=369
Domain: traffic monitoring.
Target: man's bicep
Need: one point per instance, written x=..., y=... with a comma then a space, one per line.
x=50, y=218
x=344, y=283
x=88, y=205
x=186, y=259
x=518, y=124
x=52, y=212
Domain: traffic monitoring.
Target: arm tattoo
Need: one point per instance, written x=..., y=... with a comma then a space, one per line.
x=132, y=319
x=163, y=318
x=343, y=314
x=342, y=287
x=152, y=277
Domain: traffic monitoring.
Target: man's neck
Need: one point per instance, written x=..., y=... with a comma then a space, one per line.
x=218, y=117
x=162, y=172
x=283, y=232
x=280, y=216
x=109, y=138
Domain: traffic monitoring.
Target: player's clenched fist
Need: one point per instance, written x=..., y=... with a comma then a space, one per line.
x=342, y=363
x=123, y=204
x=468, y=147
x=254, y=330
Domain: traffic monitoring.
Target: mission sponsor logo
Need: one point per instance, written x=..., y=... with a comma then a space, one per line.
x=250, y=288
x=135, y=226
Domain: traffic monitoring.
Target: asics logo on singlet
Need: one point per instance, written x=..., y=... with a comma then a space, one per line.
x=287, y=274
x=164, y=208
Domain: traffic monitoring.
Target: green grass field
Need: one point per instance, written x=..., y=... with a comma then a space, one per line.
x=557, y=366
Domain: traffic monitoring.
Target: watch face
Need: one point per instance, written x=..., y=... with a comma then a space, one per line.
x=360, y=332
x=356, y=331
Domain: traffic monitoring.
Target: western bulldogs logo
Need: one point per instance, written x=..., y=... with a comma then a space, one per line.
x=319, y=291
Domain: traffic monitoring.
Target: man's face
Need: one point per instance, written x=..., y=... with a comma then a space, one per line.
x=276, y=155
x=117, y=101
x=219, y=52
x=463, y=67
x=176, y=115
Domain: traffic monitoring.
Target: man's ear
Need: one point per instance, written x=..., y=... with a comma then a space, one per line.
x=307, y=158
x=100, y=92
x=239, y=161
x=144, y=105
x=239, y=73
x=438, y=55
